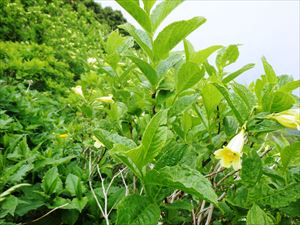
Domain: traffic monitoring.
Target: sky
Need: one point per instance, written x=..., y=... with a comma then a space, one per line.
x=263, y=28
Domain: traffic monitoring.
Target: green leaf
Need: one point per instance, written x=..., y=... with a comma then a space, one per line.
x=281, y=101
x=246, y=95
x=202, y=55
x=235, y=74
x=251, y=169
x=290, y=155
x=51, y=182
x=257, y=216
x=171, y=35
x=227, y=56
x=229, y=99
x=168, y=63
x=141, y=37
x=109, y=139
x=280, y=197
x=148, y=4
x=73, y=185
x=270, y=73
x=290, y=86
x=147, y=70
x=78, y=204
x=186, y=179
x=153, y=140
x=188, y=49
x=182, y=104
x=9, y=206
x=211, y=98
x=137, y=210
x=11, y=190
x=162, y=10
x=188, y=75
x=171, y=155
x=137, y=13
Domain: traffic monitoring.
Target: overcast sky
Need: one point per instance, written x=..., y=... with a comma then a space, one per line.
x=264, y=28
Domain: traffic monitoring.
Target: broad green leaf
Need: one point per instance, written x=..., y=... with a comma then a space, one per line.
x=140, y=36
x=114, y=42
x=257, y=216
x=51, y=182
x=182, y=104
x=137, y=13
x=290, y=155
x=188, y=49
x=73, y=185
x=246, y=95
x=251, y=169
x=227, y=56
x=211, y=98
x=153, y=140
x=270, y=73
x=281, y=197
x=202, y=55
x=168, y=63
x=9, y=206
x=230, y=102
x=78, y=204
x=170, y=36
x=230, y=125
x=290, y=86
x=162, y=10
x=147, y=70
x=235, y=74
x=148, y=4
x=281, y=101
x=188, y=75
x=171, y=155
x=183, y=178
x=137, y=210
x=119, y=152
x=109, y=139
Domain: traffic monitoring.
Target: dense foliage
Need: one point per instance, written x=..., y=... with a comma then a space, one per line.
x=93, y=131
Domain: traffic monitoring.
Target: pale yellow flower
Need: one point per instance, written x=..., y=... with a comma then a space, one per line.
x=97, y=144
x=106, y=99
x=63, y=136
x=289, y=118
x=230, y=155
x=91, y=60
x=78, y=90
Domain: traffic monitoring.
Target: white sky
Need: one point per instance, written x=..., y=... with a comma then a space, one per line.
x=264, y=28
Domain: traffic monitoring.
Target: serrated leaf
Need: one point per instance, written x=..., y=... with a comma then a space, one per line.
x=137, y=210
x=137, y=13
x=257, y=216
x=9, y=206
x=290, y=155
x=161, y=11
x=188, y=75
x=140, y=36
x=147, y=70
x=171, y=35
x=183, y=178
x=235, y=74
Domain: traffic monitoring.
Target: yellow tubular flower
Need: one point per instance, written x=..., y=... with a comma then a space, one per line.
x=230, y=155
x=63, y=136
x=97, y=144
x=78, y=90
x=289, y=118
x=106, y=99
